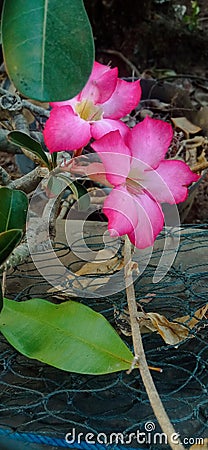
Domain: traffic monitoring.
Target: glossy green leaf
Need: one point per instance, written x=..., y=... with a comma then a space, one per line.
x=55, y=186
x=25, y=141
x=69, y=336
x=48, y=47
x=8, y=241
x=13, y=209
x=79, y=191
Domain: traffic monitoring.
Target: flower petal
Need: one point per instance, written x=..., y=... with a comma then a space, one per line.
x=65, y=130
x=115, y=157
x=71, y=102
x=170, y=180
x=94, y=170
x=125, y=98
x=150, y=221
x=119, y=207
x=101, y=127
x=101, y=84
x=149, y=140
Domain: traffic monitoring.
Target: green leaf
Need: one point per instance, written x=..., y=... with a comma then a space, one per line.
x=55, y=186
x=13, y=210
x=48, y=47
x=8, y=241
x=69, y=336
x=79, y=191
x=24, y=140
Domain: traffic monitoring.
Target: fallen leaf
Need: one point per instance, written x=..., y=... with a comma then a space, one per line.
x=196, y=141
x=109, y=266
x=92, y=284
x=191, y=156
x=202, y=158
x=72, y=284
x=172, y=332
x=202, y=163
x=191, y=322
x=185, y=125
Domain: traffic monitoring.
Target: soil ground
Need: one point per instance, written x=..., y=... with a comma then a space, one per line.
x=151, y=34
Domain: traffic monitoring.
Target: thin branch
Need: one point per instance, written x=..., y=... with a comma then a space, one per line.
x=152, y=393
x=30, y=181
x=35, y=109
x=3, y=285
x=35, y=235
x=126, y=60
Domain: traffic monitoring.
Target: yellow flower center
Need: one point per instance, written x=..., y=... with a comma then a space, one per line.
x=88, y=111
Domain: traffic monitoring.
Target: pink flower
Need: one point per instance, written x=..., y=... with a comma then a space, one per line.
x=142, y=180
x=95, y=111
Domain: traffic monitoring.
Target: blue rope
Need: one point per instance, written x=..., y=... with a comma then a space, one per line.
x=57, y=442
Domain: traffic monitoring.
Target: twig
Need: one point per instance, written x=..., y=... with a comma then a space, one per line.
x=184, y=75
x=35, y=109
x=30, y=181
x=3, y=285
x=152, y=393
x=198, y=167
x=4, y=177
x=126, y=60
x=36, y=236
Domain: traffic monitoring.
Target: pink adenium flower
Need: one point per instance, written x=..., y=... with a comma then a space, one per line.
x=142, y=179
x=95, y=111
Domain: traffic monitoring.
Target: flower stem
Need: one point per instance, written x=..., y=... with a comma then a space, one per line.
x=140, y=357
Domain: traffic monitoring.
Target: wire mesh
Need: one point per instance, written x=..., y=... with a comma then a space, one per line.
x=39, y=400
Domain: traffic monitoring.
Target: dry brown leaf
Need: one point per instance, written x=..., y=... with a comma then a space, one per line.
x=185, y=125
x=202, y=158
x=196, y=141
x=171, y=332
x=202, y=446
x=191, y=322
x=94, y=268
x=28, y=116
x=202, y=163
x=72, y=284
x=33, y=157
x=191, y=156
x=92, y=284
